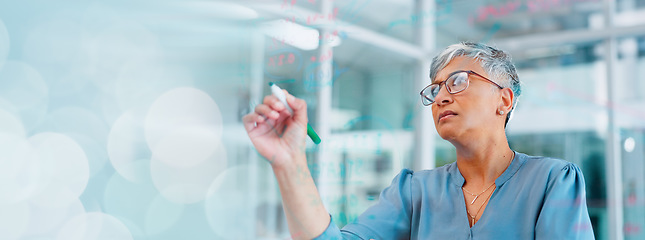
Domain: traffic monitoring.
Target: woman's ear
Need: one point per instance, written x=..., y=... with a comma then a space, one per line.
x=506, y=103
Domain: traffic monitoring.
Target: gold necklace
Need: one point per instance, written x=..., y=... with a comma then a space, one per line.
x=477, y=195
x=477, y=213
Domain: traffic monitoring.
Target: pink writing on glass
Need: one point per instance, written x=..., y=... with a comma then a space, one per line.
x=320, y=17
x=533, y=6
x=500, y=11
x=286, y=3
x=632, y=229
x=280, y=59
x=323, y=57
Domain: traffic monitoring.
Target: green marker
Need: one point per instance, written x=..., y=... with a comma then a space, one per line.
x=277, y=92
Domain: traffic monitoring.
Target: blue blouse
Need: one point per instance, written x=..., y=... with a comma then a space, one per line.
x=534, y=198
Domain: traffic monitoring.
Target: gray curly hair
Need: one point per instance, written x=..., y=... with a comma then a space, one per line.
x=495, y=62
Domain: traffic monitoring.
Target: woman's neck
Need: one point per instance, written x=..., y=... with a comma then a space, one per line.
x=481, y=162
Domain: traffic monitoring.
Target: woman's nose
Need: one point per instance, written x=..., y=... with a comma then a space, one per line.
x=443, y=97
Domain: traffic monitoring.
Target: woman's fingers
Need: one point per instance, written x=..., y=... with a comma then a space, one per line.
x=274, y=113
x=266, y=111
x=250, y=121
x=299, y=108
x=262, y=113
x=275, y=103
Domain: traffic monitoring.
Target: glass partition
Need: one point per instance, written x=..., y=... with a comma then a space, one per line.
x=125, y=117
x=630, y=116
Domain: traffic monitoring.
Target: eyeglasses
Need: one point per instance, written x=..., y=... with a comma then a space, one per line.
x=455, y=83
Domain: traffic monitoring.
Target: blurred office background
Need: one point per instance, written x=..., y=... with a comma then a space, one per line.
x=122, y=119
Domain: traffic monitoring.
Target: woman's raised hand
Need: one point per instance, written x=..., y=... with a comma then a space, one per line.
x=277, y=134
x=280, y=137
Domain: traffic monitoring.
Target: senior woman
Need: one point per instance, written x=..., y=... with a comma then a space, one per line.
x=490, y=192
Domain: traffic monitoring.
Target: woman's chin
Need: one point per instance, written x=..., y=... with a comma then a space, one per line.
x=446, y=132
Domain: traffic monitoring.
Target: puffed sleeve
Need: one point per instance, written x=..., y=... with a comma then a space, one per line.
x=564, y=212
x=389, y=218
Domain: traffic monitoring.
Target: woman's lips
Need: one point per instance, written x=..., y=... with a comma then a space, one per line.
x=446, y=115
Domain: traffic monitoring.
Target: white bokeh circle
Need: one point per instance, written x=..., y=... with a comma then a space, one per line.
x=161, y=215
x=52, y=44
x=126, y=145
x=16, y=174
x=135, y=229
x=4, y=43
x=23, y=92
x=133, y=88
x=187, y=184
x=629, y=144
x=14, y=159
x=110, y=110
x=22, y=85
x=53, y=47
x=76, y=120
x=183, y=127
x=94, y=226
x=230, y=206
x=10, y=124
x=45, y=221
x=85, y=127
x=21, y=172
x=144, y=202
x=109, y=50
x=65, y=169
x=94, y=150
x=13, y=220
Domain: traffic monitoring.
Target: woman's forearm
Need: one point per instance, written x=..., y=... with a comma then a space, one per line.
x=306, y=216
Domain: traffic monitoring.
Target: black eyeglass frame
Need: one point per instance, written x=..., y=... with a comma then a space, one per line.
x=448, y=88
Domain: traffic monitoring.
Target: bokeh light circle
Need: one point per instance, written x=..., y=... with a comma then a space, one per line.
x=183, y=127
x=126, y=145
x=94, y=150
x=144, y=202
x=21, y=173
x=94, y=226
x=187, y=184
x=161, y=215
x=18, y=173
x=133, y=88
x=4, y=43
x=65, y=169
x=629, y=144
x=85, y=127
x=13, y=220
x=46, y=221
x=23, y=90
x=230, y=206
x=22, y=85
x=76, y=120
x=10, y=125
x=110, y=110
x=52, y=47
x=109, y=50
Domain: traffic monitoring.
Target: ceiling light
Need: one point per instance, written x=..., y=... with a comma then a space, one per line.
x=630, y=144
x=292, y=33
x=221, y=10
